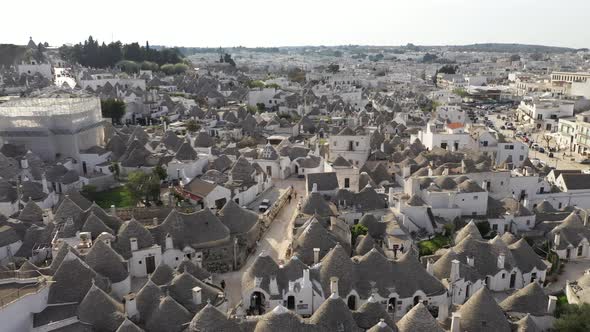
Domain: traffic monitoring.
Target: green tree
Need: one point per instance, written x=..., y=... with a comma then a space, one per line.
x=130, y=67
x=357, y=230
x=143, y=186
x=160, y=172
x=256, y=84
x=261, y=107
x=514, y=58
x=192, y=125
x=333, y=68
x=247, y=142
x=573, y=318
x=252, y=109
x=180, y=68
x=115, y=169
x=113, y=109
x=296, y=75
x=148, y=65
x=429, y=57
x=88, y=191
x=448, y=69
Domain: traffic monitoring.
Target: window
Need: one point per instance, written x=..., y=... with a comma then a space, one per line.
x=495, y=227
x=347, y=183
x=475, y=198
x=485, y=143
x=503, y=275
x=580, y=250
x=521, y=157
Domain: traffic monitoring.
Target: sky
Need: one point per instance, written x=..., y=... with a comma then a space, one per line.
x=252, y=23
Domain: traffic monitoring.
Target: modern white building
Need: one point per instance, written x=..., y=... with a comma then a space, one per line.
x=53, y=125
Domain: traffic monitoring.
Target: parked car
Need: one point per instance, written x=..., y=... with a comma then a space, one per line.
x=585, y=161
x=264, y=205
x=503, y=128
x=542, y=150
x=535, y=146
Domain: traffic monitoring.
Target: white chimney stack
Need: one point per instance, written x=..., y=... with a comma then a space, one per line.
x=456, y=322
x=429, y=267
x=133, y=243
x=552, y=304
x=334, y=285
x=557, y=239
x=197, y=295
x=454, y=270
x=168, y=242
x=501, y=261
x=113, y=211
x=314, y=188
x=44, y=182
x=155, y=220
x=471, y=261
x=199, y=259
x=130, y=305
x=24, y=163
x=316, y=255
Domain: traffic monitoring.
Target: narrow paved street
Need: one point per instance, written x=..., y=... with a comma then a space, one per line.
x=274, y=242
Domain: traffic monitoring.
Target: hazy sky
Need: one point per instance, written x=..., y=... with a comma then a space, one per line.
x=298, y=22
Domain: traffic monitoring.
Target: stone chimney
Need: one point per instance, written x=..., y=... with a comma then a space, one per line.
x=557, y=239
x=155, y=221
x=44, y=183
x=552, y=304
x=456, y=322
x=113, y=211
x=429, y=267
x=130, y=305
x=390, y=199
x=471, y=261
x=454, y=270
x=306, y=278
x=169, y=243
x=314, y=188
x=24, y=163
x=199, y=259
x=406, y=171
x=197, y=294
x=501, y=261
x=334, y=285
x=316, y=255
x=133, y=243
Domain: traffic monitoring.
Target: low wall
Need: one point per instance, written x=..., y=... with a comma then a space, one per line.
x=269, y=215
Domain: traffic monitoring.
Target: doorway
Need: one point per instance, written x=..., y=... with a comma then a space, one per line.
x=391, y=305
x=291, y=302
x=512, y=280
x=352, y=302
x=257, y=301
x=150, y=264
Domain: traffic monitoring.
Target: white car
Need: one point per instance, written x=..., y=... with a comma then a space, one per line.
x=264, y=205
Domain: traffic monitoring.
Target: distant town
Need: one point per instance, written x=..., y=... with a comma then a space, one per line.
x=344, y=188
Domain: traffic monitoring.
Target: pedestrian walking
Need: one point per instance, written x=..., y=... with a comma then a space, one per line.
x=222, y=283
